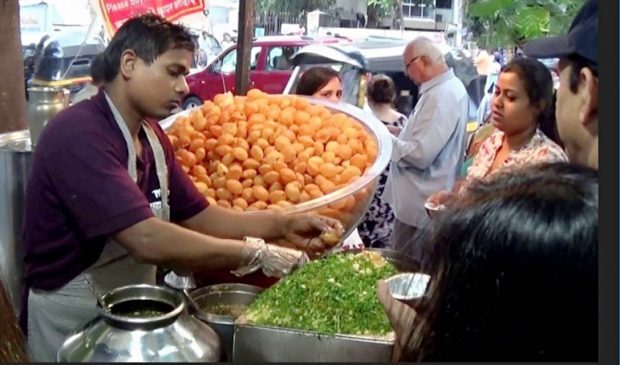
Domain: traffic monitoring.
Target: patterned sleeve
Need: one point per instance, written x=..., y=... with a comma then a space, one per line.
x=483, y=159
x=548, y=151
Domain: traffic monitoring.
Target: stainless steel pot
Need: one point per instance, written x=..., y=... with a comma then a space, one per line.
x=219, y=306
x=15, y=166
x=142, y=323
x=43, y=104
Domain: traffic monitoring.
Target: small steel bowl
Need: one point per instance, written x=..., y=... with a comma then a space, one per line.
x=408, y=286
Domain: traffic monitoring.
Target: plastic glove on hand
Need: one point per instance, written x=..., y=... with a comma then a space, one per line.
x=274, y=260
x=280, y=261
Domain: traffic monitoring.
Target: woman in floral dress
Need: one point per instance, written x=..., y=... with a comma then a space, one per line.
x=523, y=107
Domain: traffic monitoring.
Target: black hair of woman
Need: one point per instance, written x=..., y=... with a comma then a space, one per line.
x=315, y=78
x=381, y=89
x=515, y=270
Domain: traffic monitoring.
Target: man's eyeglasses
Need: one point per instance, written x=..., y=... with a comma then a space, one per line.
x=412, y=61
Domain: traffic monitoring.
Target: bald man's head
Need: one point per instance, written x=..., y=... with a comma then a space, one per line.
x=423, y=60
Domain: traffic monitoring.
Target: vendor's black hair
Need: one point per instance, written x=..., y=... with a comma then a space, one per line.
x=515, y=271
x=149, y=36
x=97, y=68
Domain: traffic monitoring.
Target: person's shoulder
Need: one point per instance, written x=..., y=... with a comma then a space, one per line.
x=457, y=85
x=493, y=137
x=452, y=85
x=87, y=92
x=160, y=133
x=154, y=124
x=77, y=124
x=548, y=150
x=85, y=115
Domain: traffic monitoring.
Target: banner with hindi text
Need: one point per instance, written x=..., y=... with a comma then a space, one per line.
x=116, y=12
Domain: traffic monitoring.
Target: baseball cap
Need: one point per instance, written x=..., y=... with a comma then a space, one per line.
x=581, y=39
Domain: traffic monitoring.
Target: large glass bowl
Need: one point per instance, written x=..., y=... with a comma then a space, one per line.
x=350, y=202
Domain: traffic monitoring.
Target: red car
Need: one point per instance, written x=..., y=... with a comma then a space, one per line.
x=270, y=68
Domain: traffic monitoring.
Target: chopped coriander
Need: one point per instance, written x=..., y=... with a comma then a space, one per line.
x=333, y=295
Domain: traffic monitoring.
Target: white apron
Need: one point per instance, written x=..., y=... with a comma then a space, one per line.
x=53, y=315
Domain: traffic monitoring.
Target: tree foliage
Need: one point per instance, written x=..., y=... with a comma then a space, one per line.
x=384, y=8
x=507, y=22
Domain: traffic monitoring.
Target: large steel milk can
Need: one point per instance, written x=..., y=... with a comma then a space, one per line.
x=15, y=164
x=142, y=323
x=43, y=104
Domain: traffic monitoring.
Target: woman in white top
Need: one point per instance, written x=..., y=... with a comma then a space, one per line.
x=376, y=226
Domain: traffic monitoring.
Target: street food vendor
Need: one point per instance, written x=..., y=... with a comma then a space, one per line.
x=107, y=202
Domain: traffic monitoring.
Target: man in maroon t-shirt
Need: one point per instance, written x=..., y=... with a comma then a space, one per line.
x=107, y=201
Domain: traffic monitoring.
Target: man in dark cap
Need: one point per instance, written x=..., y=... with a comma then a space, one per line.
x=577, y=97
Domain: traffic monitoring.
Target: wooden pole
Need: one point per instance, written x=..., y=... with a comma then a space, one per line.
x=12, y=93
x=244, y=46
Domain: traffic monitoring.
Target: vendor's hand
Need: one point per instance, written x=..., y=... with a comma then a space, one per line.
x=279, y=261
x=401, y=318
x=311, y=233
x=271, y=259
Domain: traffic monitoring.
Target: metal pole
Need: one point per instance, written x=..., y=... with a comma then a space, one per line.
x=244, y=46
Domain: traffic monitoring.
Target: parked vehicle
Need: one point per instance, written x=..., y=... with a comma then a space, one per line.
x=357, y=61
x=270, y=68
x=63, y=60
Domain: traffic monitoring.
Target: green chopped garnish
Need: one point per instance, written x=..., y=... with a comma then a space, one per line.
x=335, y=295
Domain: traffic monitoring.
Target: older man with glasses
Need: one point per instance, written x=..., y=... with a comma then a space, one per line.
x=428, y=152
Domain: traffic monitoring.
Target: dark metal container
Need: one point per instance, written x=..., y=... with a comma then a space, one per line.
x=220, y=305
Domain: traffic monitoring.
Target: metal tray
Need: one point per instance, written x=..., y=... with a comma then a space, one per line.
x=254, y=343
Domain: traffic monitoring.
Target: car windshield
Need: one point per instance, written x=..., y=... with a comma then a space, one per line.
x=229, y=62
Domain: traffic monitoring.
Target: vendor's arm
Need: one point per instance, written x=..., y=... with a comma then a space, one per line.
x=228, y=223
x=434, y=125
x=91, y=182
x=169, y=245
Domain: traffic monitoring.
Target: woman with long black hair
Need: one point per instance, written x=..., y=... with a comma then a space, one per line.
x=514, y=274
